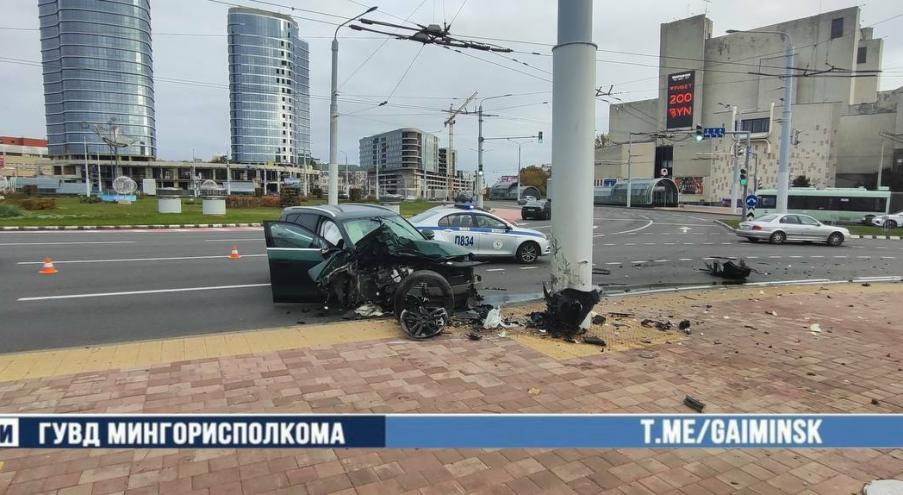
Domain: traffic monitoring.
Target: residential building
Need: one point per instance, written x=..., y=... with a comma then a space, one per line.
x=98, y=78
x=269, y=88
x=839, y=121
x=23, y=157
x=408, y=163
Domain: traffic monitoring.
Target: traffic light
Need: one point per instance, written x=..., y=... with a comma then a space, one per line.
x=699, y=134
x=539, y=136
x=743, y=179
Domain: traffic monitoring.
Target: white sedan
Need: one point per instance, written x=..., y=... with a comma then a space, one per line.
x=484, y=234
x=890, y=221
x=779, y=228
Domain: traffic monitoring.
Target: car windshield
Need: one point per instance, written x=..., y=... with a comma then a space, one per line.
x=767, y=218
x=360, y=227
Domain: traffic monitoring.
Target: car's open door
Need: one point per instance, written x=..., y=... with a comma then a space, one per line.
x=292, y=251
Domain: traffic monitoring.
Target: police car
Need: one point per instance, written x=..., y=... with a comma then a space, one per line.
x=484, y=234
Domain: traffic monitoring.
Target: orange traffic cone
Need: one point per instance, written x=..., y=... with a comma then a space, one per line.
x=47, y=268
x=234, y=254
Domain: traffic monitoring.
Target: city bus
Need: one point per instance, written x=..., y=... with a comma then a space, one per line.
x=829, y=205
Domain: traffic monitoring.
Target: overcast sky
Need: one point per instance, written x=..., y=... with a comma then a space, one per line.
x=190, y=45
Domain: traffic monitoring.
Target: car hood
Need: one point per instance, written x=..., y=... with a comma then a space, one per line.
x=383, y=246
x=522, y=231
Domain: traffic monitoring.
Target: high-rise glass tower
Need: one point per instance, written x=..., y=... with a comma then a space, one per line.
x=269, y=88
x=98, y=76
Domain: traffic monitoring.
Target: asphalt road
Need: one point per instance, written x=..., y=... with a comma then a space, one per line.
x=130, y=285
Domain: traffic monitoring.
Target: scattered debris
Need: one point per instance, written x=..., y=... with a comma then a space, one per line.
x=772, y=313
x=875, y=402
x=684, y=326
x=593, y=340
x=661, y=325
x=646, y=340
x=883, y=487
x=729, y=270
x=533, y=391
x=866, y=284
x=694, y=404
x=598, y=319
x=503, y=334
x=648, y=354
x=474, y=336
x=369, y=311
x=620, y=315
x=493, y=318
x=815, y=328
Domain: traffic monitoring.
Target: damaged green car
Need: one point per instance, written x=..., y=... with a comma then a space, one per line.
x=349, y=255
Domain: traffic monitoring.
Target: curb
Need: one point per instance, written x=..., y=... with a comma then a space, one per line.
x=130, y=227
x=726, y=226
x=883, y=237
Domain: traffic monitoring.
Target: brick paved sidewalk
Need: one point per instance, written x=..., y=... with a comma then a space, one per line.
x=739, y=359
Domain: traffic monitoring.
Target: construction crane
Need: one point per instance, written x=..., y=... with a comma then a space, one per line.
x=450, y=152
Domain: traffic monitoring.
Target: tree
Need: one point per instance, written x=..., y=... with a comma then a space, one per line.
x=801, y=181
x=534, y=176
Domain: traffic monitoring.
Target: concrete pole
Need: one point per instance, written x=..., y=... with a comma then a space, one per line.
x=746, y=166
x=518, y=173
x=629, y=163
x=784, y=162
x=734, y=160
x=377, y=180
x=228, y=176
x=573, y=129
x=88, y=180
x=880, y=166
x=333, y=184
x=479, y=179
x=304, y=177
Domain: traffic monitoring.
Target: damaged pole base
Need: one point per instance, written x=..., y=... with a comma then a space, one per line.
x=567, y=309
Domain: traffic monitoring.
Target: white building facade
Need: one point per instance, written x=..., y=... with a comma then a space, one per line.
x=839, y=123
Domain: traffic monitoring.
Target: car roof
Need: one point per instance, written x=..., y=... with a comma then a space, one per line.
x=345, y=211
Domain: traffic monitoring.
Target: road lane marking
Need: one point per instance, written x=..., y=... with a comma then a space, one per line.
x=843, y=256
x=116, y=260
x=752, y=257
x=888, y=257
x=528, y=268
x=140, y=292
x=636, y=229
x=62, y=243
x=630, y=244
x=685, y=259
x=649, y=244
x=662, y=261
x=863, y=257
x=614, y=263
x=794, y=256
x=774, y=257
x=495, y=270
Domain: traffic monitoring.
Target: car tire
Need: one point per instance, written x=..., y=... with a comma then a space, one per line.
x=891, y=224
x=835, y=239
x=527, y=253
x=777, y=238
x=419, y=319
x=753, y=239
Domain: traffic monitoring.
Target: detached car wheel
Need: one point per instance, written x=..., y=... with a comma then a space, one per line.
x=835, y=239
x=778, y=238
x=527, y=253
x=424, y=302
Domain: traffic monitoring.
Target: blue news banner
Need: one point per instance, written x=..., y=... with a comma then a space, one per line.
x=453, y=431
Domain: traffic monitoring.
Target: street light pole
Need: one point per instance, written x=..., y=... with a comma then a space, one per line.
x=88, y=181
x=518, y=174
x=333, y=185
x=573, y=131
x=629, y=163
x=783, y=186
x=479, y=180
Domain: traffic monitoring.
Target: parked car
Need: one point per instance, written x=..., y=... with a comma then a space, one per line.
x=525, y=199
x=352, y=254
x=890, y=221
x=539, y=209
x=779, y=228
x=482, y=233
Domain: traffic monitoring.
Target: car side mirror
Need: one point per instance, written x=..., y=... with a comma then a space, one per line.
x=508, y=227
x=428, y=235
